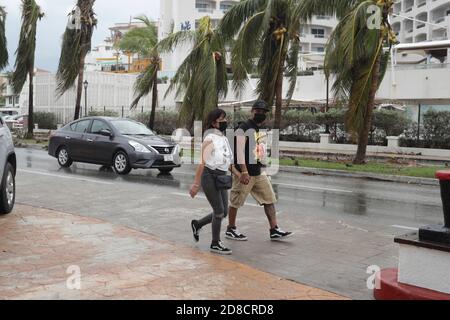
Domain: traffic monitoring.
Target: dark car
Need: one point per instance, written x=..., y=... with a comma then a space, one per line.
x=121, y=143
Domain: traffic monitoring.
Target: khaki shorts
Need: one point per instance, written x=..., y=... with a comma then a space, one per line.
x=259, y=187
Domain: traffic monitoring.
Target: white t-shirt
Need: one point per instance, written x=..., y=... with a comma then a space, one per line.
x=218, y=155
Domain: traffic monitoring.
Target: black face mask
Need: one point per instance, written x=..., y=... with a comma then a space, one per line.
x=223, y=126
x=259, y=118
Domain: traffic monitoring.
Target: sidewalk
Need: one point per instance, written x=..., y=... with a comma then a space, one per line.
x=37, y=246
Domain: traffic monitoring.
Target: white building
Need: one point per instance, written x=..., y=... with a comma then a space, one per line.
x=421, y=20
x=177, y=15
x=105, y=57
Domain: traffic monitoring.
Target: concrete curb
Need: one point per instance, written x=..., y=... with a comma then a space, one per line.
x=361, y=175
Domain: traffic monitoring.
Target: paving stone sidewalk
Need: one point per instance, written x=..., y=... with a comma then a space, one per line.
x=41, y=252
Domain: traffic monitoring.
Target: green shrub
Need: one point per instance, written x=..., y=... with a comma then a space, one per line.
x=106, y=113
x=166, y=122
x=45, y=120
x=393, y=123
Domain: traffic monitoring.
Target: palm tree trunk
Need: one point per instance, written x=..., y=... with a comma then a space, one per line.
x=278, y=98
x=79, y=89
x=363, y=135
x=30, y=105
x=151, y=123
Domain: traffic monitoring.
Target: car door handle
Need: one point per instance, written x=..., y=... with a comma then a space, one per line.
x=68, y=138
x=89, y=140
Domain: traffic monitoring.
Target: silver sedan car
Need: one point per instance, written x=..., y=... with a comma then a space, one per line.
x=7, y=170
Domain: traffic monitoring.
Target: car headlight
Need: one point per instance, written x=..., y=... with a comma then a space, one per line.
x=139, y=147
x=176, y=150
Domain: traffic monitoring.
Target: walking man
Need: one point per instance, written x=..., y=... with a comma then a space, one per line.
x=249, y=154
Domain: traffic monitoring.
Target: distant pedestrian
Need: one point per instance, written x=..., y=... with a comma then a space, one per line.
x=249, y=155
x=212, y=176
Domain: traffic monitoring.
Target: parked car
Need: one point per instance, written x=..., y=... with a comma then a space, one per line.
x=7, y=170
x=121, y=143
x=17, y=121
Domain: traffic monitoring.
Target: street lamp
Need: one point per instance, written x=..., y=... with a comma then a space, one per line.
x=85, y=83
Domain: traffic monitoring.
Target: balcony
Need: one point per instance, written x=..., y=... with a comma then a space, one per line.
x=225, y=6
x=421, y=3
x=408, y=5
x=205, y=6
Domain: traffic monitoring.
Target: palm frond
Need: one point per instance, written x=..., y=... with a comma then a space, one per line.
x=3, y=42
x=76, y=44
x=144, y=83
x=292, y=67
x=175, y=39
x=202, y=76
x=246, y=49
x=31, y=13
x=232, y=21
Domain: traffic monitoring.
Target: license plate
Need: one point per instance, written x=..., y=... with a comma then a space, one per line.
x=168, y=158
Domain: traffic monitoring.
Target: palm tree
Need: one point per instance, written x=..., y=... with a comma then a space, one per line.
x=356, y=56
x=24, y=65
x=202, y=76
x=142, y=41
x=76, y=45
x=3, y=44
x=268, y=43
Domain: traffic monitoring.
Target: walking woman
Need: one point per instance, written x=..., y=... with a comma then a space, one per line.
x=212, y=176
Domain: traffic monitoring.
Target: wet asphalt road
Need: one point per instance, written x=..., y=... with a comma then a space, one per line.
x=342, y=226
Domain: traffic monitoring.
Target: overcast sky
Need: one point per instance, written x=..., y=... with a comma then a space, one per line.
x=52, y=26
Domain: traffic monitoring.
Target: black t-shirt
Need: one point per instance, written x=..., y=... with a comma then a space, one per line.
x=250, y=130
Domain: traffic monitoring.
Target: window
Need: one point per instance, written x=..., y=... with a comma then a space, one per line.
x=98, y=125
x=318, y=33
x=320, y=49
x=80, y=126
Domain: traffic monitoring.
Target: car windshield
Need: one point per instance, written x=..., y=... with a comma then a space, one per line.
x=131, y=128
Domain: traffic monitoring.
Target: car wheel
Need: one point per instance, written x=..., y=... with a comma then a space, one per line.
x=7, y=190
x=63, y=157
x=121, y=163
x=166, y=170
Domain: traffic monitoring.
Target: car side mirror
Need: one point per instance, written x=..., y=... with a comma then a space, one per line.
x=106, y=133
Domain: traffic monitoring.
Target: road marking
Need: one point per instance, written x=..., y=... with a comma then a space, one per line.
x=297, y=186
x=63, y=177
x=403, y=227
x=203, y=197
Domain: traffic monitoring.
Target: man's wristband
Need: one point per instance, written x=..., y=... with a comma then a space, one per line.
x=244, y=172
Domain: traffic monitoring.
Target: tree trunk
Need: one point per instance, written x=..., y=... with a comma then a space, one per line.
x=79, y=89
x=363, y=135
x=278, y=98
x=30, y=105
x=151, y=123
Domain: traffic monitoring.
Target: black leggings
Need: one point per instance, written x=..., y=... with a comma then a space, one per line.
x=218, y=199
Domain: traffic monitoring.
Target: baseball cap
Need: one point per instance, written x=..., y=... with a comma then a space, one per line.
x=262, y=105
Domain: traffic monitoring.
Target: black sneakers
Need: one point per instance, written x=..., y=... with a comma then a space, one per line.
x=234, y=234
x=278, y=234
x=195, y=229
x=219, y=248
